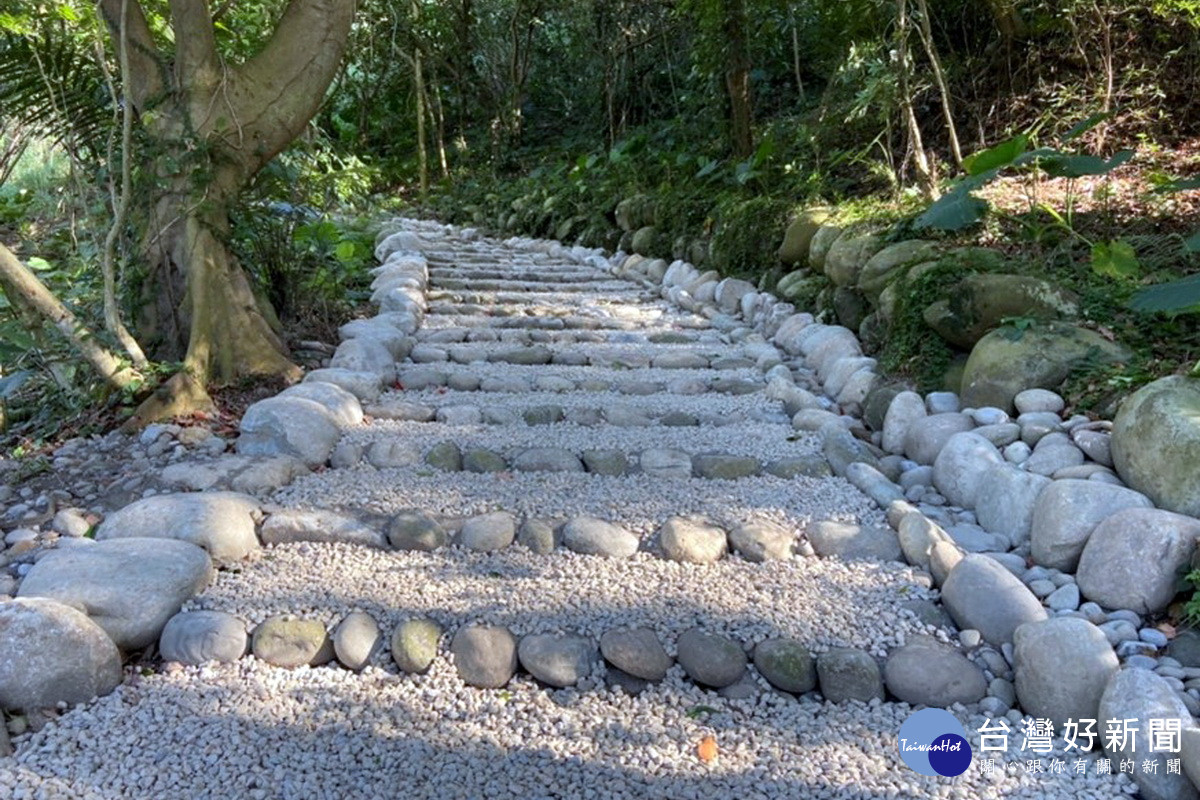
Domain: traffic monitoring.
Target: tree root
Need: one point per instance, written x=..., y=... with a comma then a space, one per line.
x=180, y=395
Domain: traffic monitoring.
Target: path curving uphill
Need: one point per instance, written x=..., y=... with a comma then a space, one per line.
x=585, y=536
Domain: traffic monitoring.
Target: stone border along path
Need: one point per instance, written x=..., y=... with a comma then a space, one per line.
x=580, y=455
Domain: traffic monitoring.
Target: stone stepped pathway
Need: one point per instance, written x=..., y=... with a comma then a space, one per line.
x=550, y=562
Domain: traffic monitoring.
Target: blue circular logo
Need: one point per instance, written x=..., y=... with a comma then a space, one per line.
x=932, y=742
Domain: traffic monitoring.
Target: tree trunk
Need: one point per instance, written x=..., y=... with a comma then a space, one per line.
x=925, y=30
x=920, y=159
x=737, y=79
x=214, y=125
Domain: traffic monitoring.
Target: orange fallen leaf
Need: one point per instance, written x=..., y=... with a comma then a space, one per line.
x=707, y=749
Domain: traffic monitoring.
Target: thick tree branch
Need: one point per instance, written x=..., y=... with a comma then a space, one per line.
x=23, y=287
x=145, y=77
x=195, y=43
x=276, y=93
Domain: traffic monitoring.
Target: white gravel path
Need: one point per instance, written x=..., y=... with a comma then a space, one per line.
x=249, y=730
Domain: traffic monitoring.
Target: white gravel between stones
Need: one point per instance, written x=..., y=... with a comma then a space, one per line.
x=249, y=730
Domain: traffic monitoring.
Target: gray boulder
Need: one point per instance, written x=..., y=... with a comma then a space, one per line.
x=129, y=587
x=196, y=637
x=53, y=653
x=636, y=651
x=709, y=659
x=220, y=522
x=926, y=436
x=1062, y=665
x=537, y=535
x=692, y=540
x=846, y=673
x=413, y=529
x=488, y=532
x=319, y=525
x=592, y=536
x=356, y=639
x=365, y=355
x=1066, y=513
x=547, y=459
x=762, y=540
x=1005, y=500
x=850, y=541
x=484, y=655
x=1141, y=695
x=959, y=468
x=366, y=386
x=559, y=661
x=1156, y=443
x=982, y=595
x=666, y=463
x=905, y=409
x=341, y=404
x=1135, y=558
x=289, y=426
x=927, y=672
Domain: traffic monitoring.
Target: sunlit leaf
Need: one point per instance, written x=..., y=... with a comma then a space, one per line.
x=1086, y=125
x=996, y=157
x=1077, y=166
x=38, y=264
x=1116, y=259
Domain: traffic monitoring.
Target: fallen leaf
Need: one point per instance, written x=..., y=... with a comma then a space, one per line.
x=707, y=749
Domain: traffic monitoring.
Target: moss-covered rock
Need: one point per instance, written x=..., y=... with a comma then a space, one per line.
x=849, y=254
x=822, y=240
x=637, y=211
x=1011, y=359
x=647, y=241
x=1156, y=443
x=886, y=264
x=978, y=303
x=850, y=307
x=799, y=235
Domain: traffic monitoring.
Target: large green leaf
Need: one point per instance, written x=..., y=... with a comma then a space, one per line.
x=1116, y=259
x=1175, y=296
x=1086, y=125
x=1077, y=166
x=996, y=157
x=953, y=211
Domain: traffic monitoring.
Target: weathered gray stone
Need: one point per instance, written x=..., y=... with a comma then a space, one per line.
x=1066, y=513
x=537, y=535
x=1156, y=443
x=926, y=436
x=664, y=462
x=485, y=656
x=129, y=587
x=557, y=660
x=547, y=459
x=356, y=639
x=341, y=404
x=982, y=595
x=959, y=468
x=927, y=672
x=1141, y=695
x=762, y=540
x=605, y=462
x=724, y=467
x=220, y=522
x=1062, y=665
x=846, y=673
x=196, y=637
x=709, y=659
x=392, y=454
x=413, y=529
x=851, y=542
x=1005, y=501
x=477, y=459
x=1135, y=559
x=53, y=653
x=692, y=540
x=319, y=525
x=488, y=532
x=592, y=536
x=445, y=456
x=636, y=651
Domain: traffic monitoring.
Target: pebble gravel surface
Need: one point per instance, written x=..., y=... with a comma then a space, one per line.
x=250, y=730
